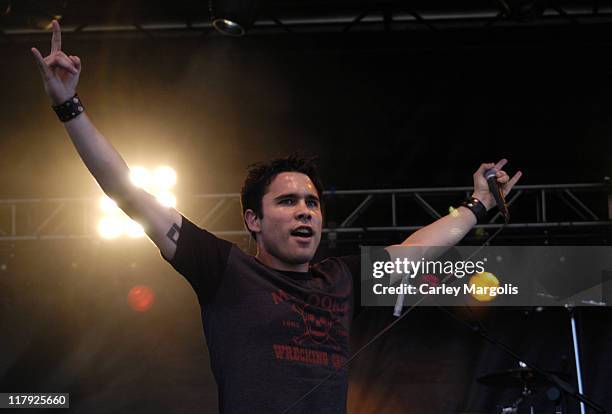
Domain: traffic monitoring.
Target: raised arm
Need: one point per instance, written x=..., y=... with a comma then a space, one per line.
x=60, y=74
x=450, y=229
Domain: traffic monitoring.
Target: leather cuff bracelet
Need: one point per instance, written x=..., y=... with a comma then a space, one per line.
x=70, y=109
x=476, y=207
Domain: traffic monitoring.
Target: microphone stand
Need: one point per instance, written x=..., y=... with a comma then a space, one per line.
x=561, y=384
x=572, y=315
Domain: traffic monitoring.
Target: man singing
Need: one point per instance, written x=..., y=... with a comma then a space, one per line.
x=275, y=324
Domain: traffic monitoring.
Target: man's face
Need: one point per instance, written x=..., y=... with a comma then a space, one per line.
x=290, y=229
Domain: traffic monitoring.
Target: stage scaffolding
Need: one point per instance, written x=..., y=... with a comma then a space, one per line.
x=350, y=215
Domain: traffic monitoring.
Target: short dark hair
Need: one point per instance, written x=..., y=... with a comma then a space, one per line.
x=261, y=174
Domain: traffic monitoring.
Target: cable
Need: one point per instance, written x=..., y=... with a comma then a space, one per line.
x=383, y=331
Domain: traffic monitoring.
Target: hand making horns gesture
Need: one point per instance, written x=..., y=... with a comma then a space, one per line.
x=60, y=72
x=481, y=188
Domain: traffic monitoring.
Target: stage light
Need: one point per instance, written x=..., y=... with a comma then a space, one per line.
x=164, y=177
x=115, y=223
x=108, y=206
x=140, y=177
x=233, y=17
x=110, y=227
x=133, y=229
x=166, y=199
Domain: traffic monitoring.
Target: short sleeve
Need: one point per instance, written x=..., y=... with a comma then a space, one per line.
x=201, y=258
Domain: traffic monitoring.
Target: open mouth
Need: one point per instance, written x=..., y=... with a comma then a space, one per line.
x=303, y=232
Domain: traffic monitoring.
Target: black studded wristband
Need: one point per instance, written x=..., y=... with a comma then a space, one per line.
x=70, y=109
x=476, y=207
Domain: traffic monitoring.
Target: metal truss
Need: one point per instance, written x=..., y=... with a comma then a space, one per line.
x=563, y=207
x=188, y=17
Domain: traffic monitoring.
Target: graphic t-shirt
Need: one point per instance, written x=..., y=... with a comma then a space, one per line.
x=272, y=335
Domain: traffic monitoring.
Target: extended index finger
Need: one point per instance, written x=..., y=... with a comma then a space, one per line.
x=56, y=39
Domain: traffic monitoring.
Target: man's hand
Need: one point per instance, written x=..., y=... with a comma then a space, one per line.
x=450, y=229
x=60, y=72
x=481, y=188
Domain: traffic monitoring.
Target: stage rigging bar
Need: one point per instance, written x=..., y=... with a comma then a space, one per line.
x=585, y=205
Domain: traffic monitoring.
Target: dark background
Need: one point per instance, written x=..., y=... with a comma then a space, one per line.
x=380, y=110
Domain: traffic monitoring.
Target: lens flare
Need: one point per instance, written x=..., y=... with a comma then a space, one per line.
x=141, y=298
x=484, y=280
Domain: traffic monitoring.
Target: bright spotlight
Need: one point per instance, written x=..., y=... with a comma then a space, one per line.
x=108, y=205
x=110, y=227
x=133, y=229
x=233, y=17
x=140, y=177
x=158, y=182
x=166, y=199
x=164, y=177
